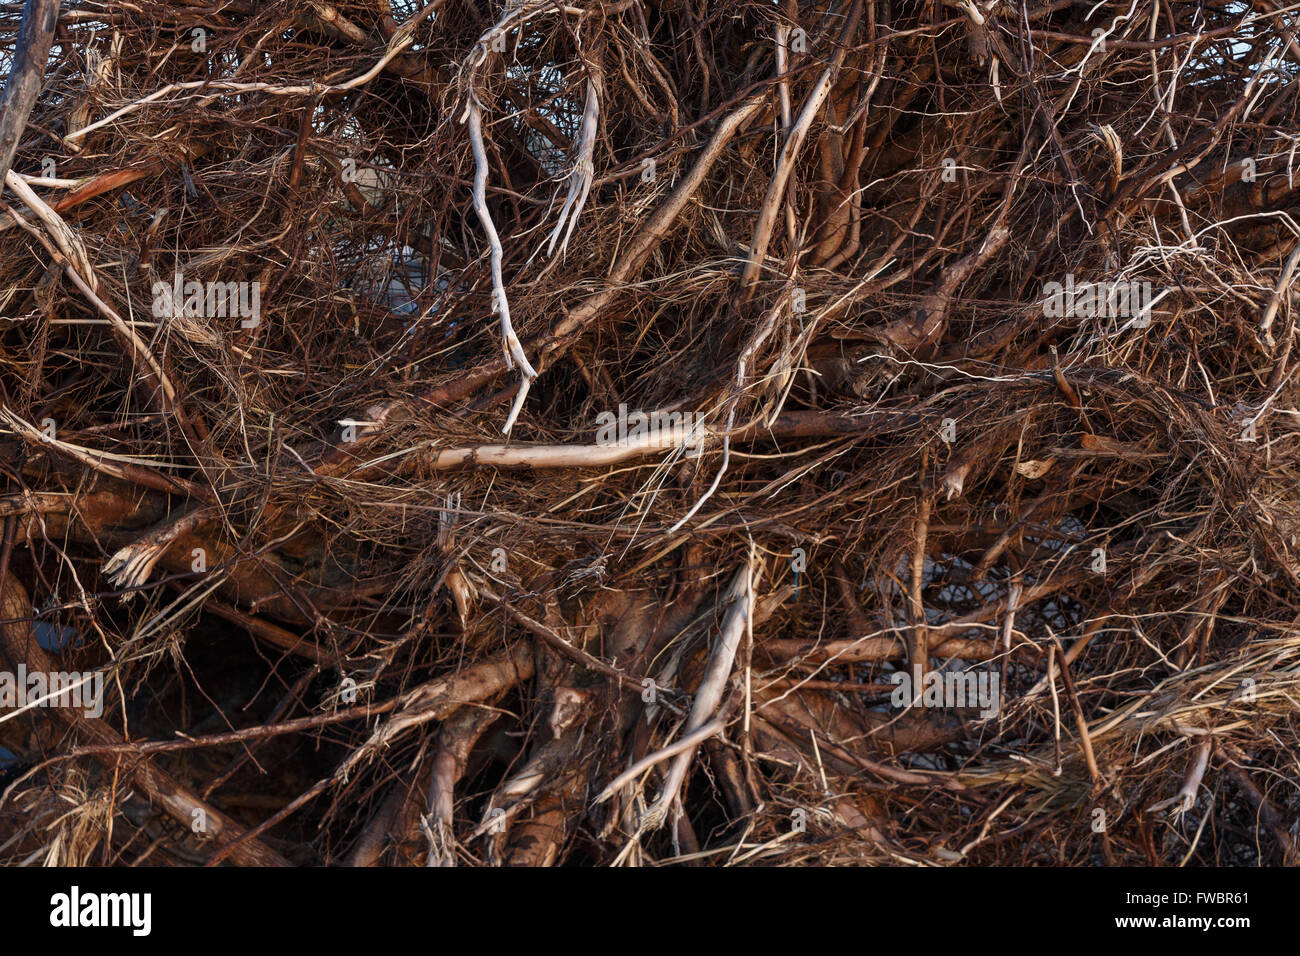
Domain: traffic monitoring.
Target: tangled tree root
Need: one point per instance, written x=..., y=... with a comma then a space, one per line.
x=637, y=433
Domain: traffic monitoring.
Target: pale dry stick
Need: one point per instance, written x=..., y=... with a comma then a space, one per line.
x=442, y=806
x=59, y=230
x=1167, y=102
x=1275, y=300
x=1182, y=209
x=817, y=754
x=514, y=352
x=584, y=169
x=458, y=737
x=511, y=797
x=709, y=695
x=1056, y=707
x=63, y=695
x=190, y=599
x=767, y=848
x=973, y=12
x=522, y=789
x=1009, y=625
x=688, y=742
x=783, y=85
x=1185, y=798
x=774, y=199
x=53, y=183
x=329, y=16
x=1271, y=57
x=1155, y=74
x=1107, y=136
x=746, y=739
x=799, y=424
x=783, y=95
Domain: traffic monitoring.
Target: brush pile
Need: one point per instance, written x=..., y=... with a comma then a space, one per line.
x=634, y=433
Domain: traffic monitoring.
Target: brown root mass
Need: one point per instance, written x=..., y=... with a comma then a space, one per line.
x=365, y=587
